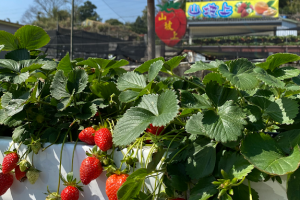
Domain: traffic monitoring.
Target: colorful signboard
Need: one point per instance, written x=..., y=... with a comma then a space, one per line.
x=232, y=9
x=170, y=23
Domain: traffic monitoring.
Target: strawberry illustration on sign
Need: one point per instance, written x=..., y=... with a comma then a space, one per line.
x=170, y=23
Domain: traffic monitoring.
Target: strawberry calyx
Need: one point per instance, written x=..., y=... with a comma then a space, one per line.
x=71, y=181
x=116, y=171
x=8, y=152
x=170, y=6
x=24, y=165
x=52, y=195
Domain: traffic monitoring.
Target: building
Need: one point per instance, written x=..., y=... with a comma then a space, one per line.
x=257, y=18
x=8, y=27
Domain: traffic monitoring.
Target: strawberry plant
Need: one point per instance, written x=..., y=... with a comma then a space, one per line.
x=205, y=137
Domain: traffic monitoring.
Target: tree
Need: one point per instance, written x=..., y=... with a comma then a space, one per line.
x=114, y=22
x=87, y=11
x=51, y=10
x=139, y=26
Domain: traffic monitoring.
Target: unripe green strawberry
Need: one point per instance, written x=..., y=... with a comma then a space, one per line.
x=40, y=118
x=53, y=196
x=32, y=175
x=24, y=165
x=36, y=146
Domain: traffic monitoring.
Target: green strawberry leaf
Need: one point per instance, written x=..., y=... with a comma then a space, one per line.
x=293, y=184
x=9, y=41
x=287, y=140
x=31, y=68
x=20, y=78
x=199, y=66
x=214, y=77
x=146, y=65
x=154, y=70
x=59, y=86
x=65, y=64
x=285, y=73
x=235, y=165
x=296, y=80
x=158, y=110
x=1, y=47
x=65, y=102
x=105, y=90
x=128, y=96
x=195, y=101
x=242, y=192
x=202, y=159
x=240, y=74
x=88, y=110
x=133, y=184
x=77, y=80
x=18, y=54
x=219, y=94
x=32, y=37
x=278, y=59
x=223, y=125
x=283, y=110
x=21, y=133
x=204, y=189
x=265, y=154
x=172, y=63
x=270, y=80
x=15, y=104
x=131, y=80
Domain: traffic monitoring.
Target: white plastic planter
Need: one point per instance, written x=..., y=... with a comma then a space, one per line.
x=48, y=163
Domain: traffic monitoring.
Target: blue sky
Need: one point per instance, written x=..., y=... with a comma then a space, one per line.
x=124, y=10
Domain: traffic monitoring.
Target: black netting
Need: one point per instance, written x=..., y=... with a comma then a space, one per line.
x=87, y=44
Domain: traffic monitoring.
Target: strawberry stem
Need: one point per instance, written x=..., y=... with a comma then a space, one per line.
x=10, y=146
x=73, y=154
x=62, y=147
x=19, y=146
x=32, y=159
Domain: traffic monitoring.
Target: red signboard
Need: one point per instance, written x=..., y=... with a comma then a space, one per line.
x=170, y=23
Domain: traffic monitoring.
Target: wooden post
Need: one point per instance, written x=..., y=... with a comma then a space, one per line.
x=71, y=36
x=151, y=29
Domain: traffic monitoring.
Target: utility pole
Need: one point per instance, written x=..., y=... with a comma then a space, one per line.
x=71, y=39
x=151, y=29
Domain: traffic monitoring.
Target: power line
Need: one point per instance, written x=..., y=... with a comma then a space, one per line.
x=113, y=10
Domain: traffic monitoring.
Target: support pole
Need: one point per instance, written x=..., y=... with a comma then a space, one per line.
x=71, y=36
x=151, y=29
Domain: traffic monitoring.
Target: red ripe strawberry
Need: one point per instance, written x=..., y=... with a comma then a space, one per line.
x=244, y=13
x=6, y=180
x=9, y=162
x=244, y=5
x=155, y=130
x=90, y=169
x=240, y=9
x=113, y=183
x=20, y=176
x=103, y=139
x=70, y=193
x=86, y=135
